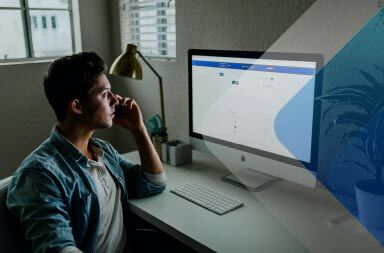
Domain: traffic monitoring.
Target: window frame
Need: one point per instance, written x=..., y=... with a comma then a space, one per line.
x=134, y=16
x=27, y=22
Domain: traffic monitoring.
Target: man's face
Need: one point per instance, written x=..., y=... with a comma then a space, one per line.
x=100, y=107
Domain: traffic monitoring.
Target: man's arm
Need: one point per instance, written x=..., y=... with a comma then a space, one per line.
x=150, y=161
x=37, y=202
x=132, y=120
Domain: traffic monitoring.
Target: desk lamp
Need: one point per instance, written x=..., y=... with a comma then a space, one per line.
x=127, y=65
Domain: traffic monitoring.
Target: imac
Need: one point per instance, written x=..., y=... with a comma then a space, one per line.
x=256, y=113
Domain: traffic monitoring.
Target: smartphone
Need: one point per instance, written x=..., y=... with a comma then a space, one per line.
x=119, y=109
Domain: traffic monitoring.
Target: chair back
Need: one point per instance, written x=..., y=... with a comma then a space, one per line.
x=11, y=236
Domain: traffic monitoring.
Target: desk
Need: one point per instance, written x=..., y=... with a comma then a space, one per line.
x=284, y=217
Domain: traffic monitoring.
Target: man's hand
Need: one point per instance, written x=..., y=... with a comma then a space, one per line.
x=132, y=120
x=130, y=117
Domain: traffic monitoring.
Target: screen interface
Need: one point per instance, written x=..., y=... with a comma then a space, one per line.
x=240, y=100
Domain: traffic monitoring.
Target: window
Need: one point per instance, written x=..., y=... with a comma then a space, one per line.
x=44, y=21
x=150, y=25
x=34, y=22
x=53, y=20
x=35, y=28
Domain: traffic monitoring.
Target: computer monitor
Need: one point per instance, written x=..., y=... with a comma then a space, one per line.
x=256, y=112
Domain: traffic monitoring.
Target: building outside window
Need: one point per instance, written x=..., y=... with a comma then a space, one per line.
x=44, y=21
x=150, y=25
x=34, y=22
x=26, y=38
x=53, y=21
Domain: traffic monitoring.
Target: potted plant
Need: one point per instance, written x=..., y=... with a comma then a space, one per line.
x=363, y=107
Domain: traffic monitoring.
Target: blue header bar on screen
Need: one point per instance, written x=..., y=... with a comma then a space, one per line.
x=256, y=67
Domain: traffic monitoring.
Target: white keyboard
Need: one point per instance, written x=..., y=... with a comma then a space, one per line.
x=210, y=199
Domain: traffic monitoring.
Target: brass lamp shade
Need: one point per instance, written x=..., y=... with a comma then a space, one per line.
x=127, y=64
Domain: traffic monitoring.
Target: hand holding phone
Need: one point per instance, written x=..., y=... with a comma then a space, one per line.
x=128, y=114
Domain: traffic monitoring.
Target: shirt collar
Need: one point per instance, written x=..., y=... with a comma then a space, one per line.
x=71, y=150
x=97, y=151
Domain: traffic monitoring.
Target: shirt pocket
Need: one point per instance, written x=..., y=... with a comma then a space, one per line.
x=80, y=213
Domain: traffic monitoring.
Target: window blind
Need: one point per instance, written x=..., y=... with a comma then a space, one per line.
x=150, y=25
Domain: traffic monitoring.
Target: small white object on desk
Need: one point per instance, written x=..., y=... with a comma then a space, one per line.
x=176, y=153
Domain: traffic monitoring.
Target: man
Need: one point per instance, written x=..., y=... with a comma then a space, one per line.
x=71, y=193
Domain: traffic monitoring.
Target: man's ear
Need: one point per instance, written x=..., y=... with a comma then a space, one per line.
x=76, y=106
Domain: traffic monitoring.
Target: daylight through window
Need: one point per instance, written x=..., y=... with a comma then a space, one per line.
x=150, y=25
x=35, y=28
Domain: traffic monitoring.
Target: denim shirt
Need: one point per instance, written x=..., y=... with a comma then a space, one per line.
x=55, y=199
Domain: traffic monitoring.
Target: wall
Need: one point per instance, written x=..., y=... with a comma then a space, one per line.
x=26, y=117
x=213, y=24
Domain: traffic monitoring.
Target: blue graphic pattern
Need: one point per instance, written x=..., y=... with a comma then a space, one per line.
x=351, y=149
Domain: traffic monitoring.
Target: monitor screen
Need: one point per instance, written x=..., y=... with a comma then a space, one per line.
x=261, y=103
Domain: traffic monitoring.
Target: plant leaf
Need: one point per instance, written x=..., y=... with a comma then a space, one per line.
x=365, y=101
x=370, y=78
x=361, y=165
x=379, y=68
x=360, y=119
x=378, y=108
x=370, y=148
x=379, y=141
x=361, y=135
x=354, y=118
x=359, y=105
x=353, y=87
x=361, y=148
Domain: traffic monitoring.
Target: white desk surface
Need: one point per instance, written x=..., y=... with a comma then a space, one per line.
x=284, y=217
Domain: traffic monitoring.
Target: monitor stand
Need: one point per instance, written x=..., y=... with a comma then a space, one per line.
x=250, y=179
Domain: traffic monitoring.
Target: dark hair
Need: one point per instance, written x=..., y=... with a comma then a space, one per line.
x=71, y=77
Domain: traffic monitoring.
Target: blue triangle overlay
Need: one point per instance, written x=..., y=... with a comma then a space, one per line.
x=346, y=159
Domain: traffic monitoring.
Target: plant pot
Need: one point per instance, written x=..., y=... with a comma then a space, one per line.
x=370, y=203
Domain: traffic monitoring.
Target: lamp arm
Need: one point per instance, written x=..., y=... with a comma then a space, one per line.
x=161, y=87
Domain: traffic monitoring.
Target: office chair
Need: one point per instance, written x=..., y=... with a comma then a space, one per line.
x=11, y=235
